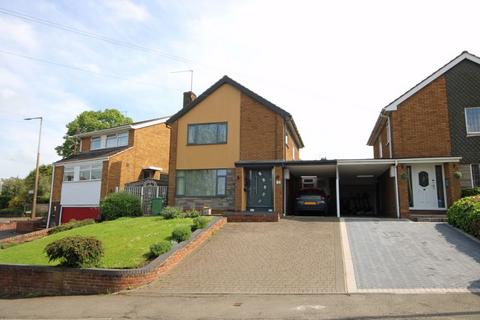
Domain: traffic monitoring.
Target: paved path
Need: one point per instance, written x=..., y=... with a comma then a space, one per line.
x=300, y=255
x=412, y=255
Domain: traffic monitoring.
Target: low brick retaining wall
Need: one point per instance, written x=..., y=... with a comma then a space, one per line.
x=29, y=280
x=26, y=237
x=8, y=226
x=272, y=217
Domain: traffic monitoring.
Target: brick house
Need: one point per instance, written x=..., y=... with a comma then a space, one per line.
x=437, y=120
x=107, y=160
x=213, y=140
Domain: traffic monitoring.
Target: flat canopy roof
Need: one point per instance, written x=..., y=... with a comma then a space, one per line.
x=346, y=167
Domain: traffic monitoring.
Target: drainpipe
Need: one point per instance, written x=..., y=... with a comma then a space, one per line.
x=338, y=192
x=51, y=194
x=396, y=190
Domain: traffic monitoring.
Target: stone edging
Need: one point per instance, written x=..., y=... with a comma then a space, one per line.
x=31, y=280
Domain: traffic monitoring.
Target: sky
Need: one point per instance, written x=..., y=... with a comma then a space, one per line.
x=332, y=64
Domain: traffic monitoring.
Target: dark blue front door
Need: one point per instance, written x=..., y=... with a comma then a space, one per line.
x=259, y=190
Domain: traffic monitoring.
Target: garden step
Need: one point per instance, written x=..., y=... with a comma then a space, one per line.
x=429, y=217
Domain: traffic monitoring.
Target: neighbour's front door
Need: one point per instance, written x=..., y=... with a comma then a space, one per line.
x=424, y=185
x=259, y=190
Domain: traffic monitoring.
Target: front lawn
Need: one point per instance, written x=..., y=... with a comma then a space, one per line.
x=125, y=241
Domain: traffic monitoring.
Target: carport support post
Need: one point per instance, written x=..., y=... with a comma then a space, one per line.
x=338, y=191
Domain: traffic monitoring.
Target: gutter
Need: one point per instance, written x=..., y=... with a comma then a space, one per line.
x=397, y=198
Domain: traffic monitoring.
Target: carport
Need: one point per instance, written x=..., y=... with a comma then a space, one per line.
x=355, y=187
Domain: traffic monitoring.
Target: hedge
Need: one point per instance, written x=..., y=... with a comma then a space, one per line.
x=465, y=214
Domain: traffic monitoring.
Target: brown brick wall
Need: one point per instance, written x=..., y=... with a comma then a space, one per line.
x=453, y=183
x=57, y=184
x=25, y=280
x=261, y=132
x=278, y=190
x=385, y=145
x=85, y=145
x=150, y=148
x=420, y=126
x=403, y=192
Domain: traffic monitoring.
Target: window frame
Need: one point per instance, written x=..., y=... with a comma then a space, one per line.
x=76, y=169
x=474, y=133
x=218, y=176
x=192, y=125
x=99, y=142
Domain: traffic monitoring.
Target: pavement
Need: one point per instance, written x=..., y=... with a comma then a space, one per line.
x=216, y=307
x=294, y=256
x=389, y=254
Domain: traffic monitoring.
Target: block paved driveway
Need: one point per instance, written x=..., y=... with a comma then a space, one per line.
x=295, y=255
x=390, y=254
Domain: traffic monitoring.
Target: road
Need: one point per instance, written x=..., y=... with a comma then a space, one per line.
x=133, y=305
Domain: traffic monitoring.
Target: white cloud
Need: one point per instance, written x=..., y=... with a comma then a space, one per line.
x=127, y=10
x=18, y=35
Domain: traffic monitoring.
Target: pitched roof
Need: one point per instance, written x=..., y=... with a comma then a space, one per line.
x=226, y=80
x=134, y=125
x=93, y=154
x=392, y=106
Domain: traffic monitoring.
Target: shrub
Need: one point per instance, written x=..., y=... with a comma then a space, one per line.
x=120, y=204
x=76, y=251
x=181, y=233
x=171, y=213
x=200, y=223
x=465, y=214
x=471, y=192
x=160, y=248
x=70, y=225
x=192, y=213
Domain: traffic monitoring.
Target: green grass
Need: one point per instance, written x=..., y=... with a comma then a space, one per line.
x=125, y=241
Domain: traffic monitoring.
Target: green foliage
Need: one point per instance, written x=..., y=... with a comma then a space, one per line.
x=44, y=182
x=90, y=121
x=470, y=192
x=120, y=204
x=70, y=225
x=13, y=190
x=181, y=233
x=465, y=214
x=171, y=213
x=76, y=251
x=200, y=223
x=192, y=213
x=159, y=248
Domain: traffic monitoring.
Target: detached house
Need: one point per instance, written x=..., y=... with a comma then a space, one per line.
x=107, y=160
x=214, y=139
x=436, y=124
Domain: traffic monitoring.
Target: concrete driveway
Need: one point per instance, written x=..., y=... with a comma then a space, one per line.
x=295, y=255
x=405, y=256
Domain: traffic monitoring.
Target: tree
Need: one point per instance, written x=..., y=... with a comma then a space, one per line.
x=44, y=182
x=90, y=121
x=11, y=188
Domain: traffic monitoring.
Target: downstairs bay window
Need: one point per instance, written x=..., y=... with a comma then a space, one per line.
x=201, y=183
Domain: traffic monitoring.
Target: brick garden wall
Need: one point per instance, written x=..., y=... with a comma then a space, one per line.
x=24, y=280
x=9, y=226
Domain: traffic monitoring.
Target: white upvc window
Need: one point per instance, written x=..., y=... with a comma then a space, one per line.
x=286, y=138
x=472, y=120
x=475, y=175
x=96, y=143
x=83, y=172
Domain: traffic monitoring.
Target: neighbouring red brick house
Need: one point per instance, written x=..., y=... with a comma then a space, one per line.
x=107, y=160
x=437, y=120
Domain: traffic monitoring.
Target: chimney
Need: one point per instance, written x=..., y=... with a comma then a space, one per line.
x=188, y=97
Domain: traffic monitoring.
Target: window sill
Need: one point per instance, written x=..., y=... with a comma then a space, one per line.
x=206, y=144
x=474, y=134
x=200, y=197
x=80, y=181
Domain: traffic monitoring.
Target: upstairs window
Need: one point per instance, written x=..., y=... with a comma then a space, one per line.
x=472, y=119
x=84, y=172
x=209, y=133
x=96, y=143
